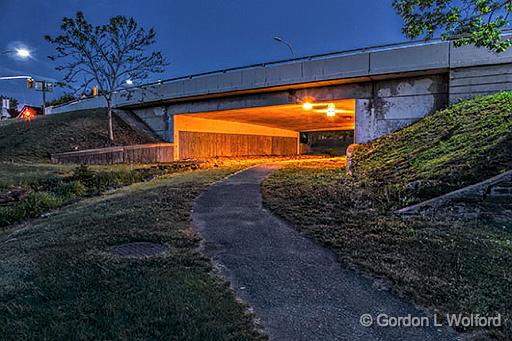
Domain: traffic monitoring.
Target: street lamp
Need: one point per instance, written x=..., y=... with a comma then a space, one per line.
x=331, y=110
x=129, y=82
x=22, y=53
x=282, y=41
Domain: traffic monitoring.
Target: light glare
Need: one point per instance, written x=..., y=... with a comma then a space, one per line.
x=331, y=110
x=307, y=106
x=129, y=82
x=23, y=53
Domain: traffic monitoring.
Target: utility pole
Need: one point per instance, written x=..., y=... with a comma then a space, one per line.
x=43, y=86
x=44, y=97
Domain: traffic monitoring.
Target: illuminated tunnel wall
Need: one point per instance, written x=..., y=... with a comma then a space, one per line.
x=269, y=130
x=196, y=137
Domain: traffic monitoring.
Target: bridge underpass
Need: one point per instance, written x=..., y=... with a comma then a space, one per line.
x=270, y=130
x=256, y=109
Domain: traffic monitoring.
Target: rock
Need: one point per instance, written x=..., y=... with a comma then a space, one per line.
x=414, y=186
x=350, y=152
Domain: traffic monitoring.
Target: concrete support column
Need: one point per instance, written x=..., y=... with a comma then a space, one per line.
x=396, y=104
x=168, y=125
x=365, y=121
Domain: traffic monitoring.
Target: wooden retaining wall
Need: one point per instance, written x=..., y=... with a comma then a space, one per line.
x=143, y=153
x=194, y=145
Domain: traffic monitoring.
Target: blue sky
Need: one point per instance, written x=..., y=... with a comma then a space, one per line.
x=199, y=35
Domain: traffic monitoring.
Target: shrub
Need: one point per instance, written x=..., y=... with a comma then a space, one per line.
x=71, y=189
x=83, y=174
x=97, y=182
x=30, y=207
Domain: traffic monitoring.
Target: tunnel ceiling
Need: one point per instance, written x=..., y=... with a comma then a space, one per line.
x=292, y=116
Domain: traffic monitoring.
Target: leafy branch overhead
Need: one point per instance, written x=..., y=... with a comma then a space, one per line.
x=478, y=22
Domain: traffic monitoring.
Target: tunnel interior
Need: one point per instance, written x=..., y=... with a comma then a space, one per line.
x=307, y=127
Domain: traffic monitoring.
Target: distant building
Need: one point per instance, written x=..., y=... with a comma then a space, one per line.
x=6, y=111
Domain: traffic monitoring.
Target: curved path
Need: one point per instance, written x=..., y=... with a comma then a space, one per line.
x=296, y=287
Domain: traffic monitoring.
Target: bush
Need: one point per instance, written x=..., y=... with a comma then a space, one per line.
x=71, y=189
x=55, y=191
x=30, y=207
x=83, y=174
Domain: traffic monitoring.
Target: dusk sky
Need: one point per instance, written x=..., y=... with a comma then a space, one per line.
x=198, y=35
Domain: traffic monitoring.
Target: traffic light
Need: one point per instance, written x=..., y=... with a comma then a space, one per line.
x=30, y=83
x=95, y=91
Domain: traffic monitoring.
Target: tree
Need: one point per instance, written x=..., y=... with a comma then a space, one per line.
x=105, y=56
x=478, y=22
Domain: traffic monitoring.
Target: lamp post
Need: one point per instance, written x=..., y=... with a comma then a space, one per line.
x=282, y=41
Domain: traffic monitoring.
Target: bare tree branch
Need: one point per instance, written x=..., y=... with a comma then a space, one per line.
x=105, y=56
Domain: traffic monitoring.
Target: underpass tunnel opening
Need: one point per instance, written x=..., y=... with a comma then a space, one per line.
x=290, y=129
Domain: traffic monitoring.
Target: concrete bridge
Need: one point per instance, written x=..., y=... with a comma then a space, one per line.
x=263, y=108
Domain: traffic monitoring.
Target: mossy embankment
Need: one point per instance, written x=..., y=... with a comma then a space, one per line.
x=452, y=148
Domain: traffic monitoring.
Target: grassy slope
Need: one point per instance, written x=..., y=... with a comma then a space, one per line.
x=457, y=267
x=60, y=282
x=447, y=150
x=34, y=141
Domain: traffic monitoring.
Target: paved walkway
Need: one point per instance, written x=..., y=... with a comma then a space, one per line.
x=297, y=288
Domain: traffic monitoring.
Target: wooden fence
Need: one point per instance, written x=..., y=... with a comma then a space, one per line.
x=194, y=145
x=143, y=153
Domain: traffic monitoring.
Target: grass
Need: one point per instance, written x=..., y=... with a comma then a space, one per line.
x=36, y=140
x=24, y=174
x=450, y=149
x=455, y=267
x=55, y=186
x=59, y=281
x=449, y=266
x=44, y=187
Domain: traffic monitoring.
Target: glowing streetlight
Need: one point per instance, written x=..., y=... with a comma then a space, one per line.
x=23, y=53
x=129, y=82
x=331, y=110
x=307, y=106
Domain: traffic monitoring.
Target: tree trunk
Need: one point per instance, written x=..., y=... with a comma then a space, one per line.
x=110, y=126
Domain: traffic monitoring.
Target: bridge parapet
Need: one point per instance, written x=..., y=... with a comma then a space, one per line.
x=355, y=64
